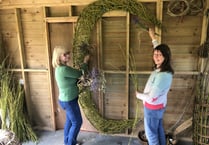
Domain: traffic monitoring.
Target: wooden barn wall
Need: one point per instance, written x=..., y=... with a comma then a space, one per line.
x=25, y=28
x=26, y=25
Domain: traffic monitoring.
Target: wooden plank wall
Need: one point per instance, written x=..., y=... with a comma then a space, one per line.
x=34, y=37
x=34, y=52
x=114, y=38
x=9, y=32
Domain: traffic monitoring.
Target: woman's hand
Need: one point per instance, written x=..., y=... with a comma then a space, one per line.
x=136, y=93
x=152, y=33
x=86, y=58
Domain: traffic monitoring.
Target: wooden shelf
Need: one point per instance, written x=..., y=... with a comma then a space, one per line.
x=29, y=70
x=148, y=72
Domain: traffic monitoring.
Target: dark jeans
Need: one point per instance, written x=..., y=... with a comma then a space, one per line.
x=73, y=121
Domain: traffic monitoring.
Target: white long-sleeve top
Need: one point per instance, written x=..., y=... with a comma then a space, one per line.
x=155, y=93
x=155, y=43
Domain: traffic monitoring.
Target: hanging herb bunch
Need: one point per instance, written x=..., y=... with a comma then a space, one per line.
x=98, y=80
x=85, y=24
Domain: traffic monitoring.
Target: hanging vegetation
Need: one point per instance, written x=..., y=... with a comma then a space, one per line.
x=94, y=11
x=13, y=112
x=86, y=22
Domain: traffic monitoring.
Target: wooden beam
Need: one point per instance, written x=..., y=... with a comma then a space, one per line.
x=22, y=59
x=100, y=64
x=49, y=3
x=127, y=83
x=29, y=70
x=70, y=11
x=186, y=124
x=40, y=3
x=50, y=73
x=127, y=62
x=116, y=13
x=159, y=13
x=149, y=72
x=61, y=19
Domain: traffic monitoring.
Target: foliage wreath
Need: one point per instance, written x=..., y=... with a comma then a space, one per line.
x=86, y=22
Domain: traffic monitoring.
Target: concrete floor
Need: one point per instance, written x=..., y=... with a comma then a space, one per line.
x=93, y=138
x=88, y=138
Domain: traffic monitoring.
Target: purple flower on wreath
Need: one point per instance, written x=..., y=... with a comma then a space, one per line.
x=98, y=80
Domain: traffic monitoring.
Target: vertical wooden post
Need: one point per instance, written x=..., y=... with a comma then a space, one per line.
x=20, y=39
x=49, y=66
x=100, y=64
x=159, y=13
x=127, y=62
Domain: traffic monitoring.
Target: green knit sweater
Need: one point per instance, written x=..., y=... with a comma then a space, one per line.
x=66, y=78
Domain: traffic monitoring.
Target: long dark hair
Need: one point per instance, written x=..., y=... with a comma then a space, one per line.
x=166, y=65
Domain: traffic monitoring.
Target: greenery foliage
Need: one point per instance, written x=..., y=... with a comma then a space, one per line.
x=13, y=112
x=94, y=11
x=100, y=123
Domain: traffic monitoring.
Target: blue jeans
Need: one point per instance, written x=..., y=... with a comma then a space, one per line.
x=73, y=121
x=153, y=124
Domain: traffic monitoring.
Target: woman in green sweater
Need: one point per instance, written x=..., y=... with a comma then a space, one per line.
x=66, y=78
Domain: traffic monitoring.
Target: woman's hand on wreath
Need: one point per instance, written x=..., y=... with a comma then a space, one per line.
x=86, y=58
x=152, y=33
x=136, y=93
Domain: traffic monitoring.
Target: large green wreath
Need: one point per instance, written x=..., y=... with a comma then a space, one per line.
x=86, y=22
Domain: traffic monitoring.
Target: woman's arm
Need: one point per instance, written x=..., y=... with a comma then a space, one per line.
x=153, y=38
x=160, y=86
x=84, y=66
x=71, y=72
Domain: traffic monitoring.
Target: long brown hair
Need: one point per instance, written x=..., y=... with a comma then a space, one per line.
x=166, y=65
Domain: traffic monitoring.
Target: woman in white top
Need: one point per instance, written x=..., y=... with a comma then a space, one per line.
x=154, y=96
